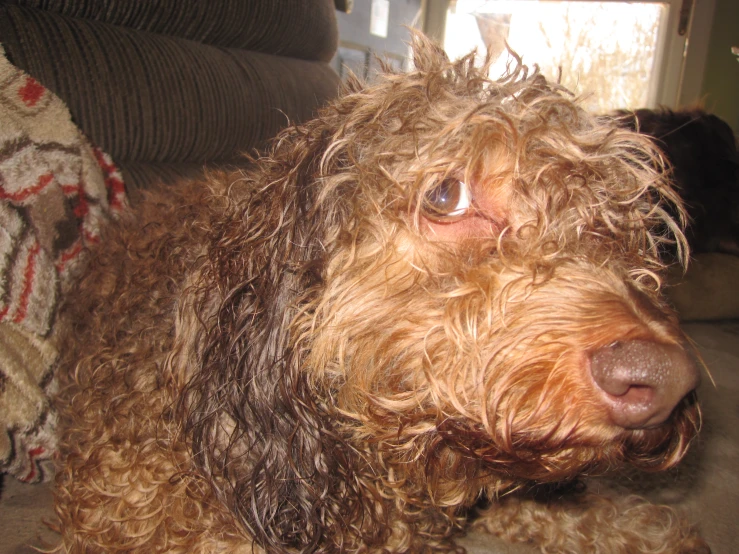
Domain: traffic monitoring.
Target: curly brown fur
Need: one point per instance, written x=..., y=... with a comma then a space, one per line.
x=310, y=355
x=591, y=523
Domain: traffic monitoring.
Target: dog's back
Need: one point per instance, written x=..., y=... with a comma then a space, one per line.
x=127, y=478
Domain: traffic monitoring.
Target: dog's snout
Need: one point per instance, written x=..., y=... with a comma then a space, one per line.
x=642, y=381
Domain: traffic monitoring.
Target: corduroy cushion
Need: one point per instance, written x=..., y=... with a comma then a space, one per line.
x=143, y=175
x=303, y=29
x=152, y=98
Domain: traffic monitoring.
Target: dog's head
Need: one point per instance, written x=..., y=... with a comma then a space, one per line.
x=441, y=285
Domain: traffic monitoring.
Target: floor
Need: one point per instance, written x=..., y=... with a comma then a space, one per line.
x=706, y=485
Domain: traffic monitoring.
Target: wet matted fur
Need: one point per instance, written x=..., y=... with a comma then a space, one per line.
x=394, y=316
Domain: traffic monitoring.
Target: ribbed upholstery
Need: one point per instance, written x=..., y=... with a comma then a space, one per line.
x=139, y=175
x=303, y=29
x=142, y=96
x=177, y=95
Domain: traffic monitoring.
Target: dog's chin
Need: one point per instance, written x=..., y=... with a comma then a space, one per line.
x=525, y=458
x=661, y=447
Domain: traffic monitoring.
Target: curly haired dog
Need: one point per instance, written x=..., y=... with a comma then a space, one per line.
x=441, y=292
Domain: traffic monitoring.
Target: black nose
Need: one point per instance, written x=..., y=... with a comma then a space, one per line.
x=642, y=381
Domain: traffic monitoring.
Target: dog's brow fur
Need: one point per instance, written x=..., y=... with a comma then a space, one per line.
x=294, y=358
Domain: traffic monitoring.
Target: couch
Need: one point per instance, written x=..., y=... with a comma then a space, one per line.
x=98, y=96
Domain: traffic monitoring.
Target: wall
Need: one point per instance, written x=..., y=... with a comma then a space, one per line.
x=358, y=47
x=720, y=91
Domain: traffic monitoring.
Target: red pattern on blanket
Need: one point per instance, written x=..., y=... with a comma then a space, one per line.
x=55, y=192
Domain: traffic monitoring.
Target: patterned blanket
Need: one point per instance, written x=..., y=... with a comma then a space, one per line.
x=55, y=192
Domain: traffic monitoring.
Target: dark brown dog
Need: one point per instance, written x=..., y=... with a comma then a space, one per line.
x=701, y=149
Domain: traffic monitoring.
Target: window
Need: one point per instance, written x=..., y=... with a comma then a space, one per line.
x=616, y=54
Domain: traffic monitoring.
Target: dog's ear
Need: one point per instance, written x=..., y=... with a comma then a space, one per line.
x=257, y=427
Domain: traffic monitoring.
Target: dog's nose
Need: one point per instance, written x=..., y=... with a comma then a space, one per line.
x=642, y=381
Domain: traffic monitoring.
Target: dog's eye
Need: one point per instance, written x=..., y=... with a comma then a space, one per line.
x=447, y=201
